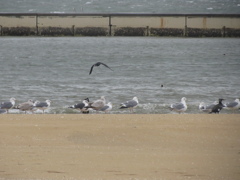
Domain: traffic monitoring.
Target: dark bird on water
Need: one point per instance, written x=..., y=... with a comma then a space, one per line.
x=218, y=107
x=98, y=64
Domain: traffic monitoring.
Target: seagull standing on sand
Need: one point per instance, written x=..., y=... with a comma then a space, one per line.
x=107, y=107
x=179, y=107
x=98, y=64
x=98, y=104
x=8, y=105
x=26, y=106
x=207, y=108
x=218, y=107
x=81, y=106
x=233, y=105
x=130, y=104
x=42, y=105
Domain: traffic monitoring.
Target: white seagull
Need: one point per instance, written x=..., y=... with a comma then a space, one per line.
x=207, y=108
x=42, y=105
x=232, y=105
x=8, y=105
x=107, y=107
x=81, y=106
x=130, y=104
x=179, y=107
x=98, y=104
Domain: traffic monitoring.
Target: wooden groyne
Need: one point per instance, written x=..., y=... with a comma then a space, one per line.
x=119, y=24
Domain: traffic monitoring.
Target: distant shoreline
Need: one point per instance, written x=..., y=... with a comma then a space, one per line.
x=120, y=24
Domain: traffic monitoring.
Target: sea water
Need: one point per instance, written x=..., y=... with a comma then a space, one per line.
x=113, y=6
x=159, y=71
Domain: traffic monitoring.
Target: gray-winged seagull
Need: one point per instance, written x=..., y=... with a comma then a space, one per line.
x=42, y=105
x=179, y=107
x=107, y=107
x=130, y=104
x=8, y=105
x=98, y=64
x=233, y=105
x=81, y=106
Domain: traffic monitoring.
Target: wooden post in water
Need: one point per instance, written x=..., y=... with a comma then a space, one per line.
x=147, y=33
x=185, y=33
x=73, y=30
x=1, y=32
x=223, y=31
x=37, y=25
x=110, y=27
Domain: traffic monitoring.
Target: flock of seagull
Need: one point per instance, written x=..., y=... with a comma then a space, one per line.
x=84, y=106
x=30, y=105
x=102, y=105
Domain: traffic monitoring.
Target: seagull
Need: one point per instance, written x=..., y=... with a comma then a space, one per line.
x=208, y=108
x=233, y=105
x=8, y=105
x=107, y=107
x=26, y=106
x=218, y=107
x=98, y=104
x=179, y=107
x=98, y=64
x=42, y=105
x=3, y=111
x=81, y=106
x=130, y=104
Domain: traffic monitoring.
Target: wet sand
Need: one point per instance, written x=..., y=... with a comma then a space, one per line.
x=120, y=147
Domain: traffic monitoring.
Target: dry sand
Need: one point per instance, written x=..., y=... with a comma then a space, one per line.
x=120, y=147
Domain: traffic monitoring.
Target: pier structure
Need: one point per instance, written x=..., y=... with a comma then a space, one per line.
x=119, y=24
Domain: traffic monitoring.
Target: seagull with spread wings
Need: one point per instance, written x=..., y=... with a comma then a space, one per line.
x=98, y=64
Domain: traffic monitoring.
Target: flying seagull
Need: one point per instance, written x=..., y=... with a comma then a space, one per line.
x=8, y=105
x=98, y=64
x=179, y=107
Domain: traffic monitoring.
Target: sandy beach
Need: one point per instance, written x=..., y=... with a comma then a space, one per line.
x=119, y=147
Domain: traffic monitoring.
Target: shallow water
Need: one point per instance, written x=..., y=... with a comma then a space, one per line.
x=42, y=68
x=113, y=6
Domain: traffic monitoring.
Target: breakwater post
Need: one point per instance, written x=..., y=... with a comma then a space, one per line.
x=119, y=24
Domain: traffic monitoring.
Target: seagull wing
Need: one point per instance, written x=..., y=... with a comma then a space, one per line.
x=6, y=105
x=177, y=106
x=232, y=104
x=105, y=65
x=42, y=104
x=91, y=69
